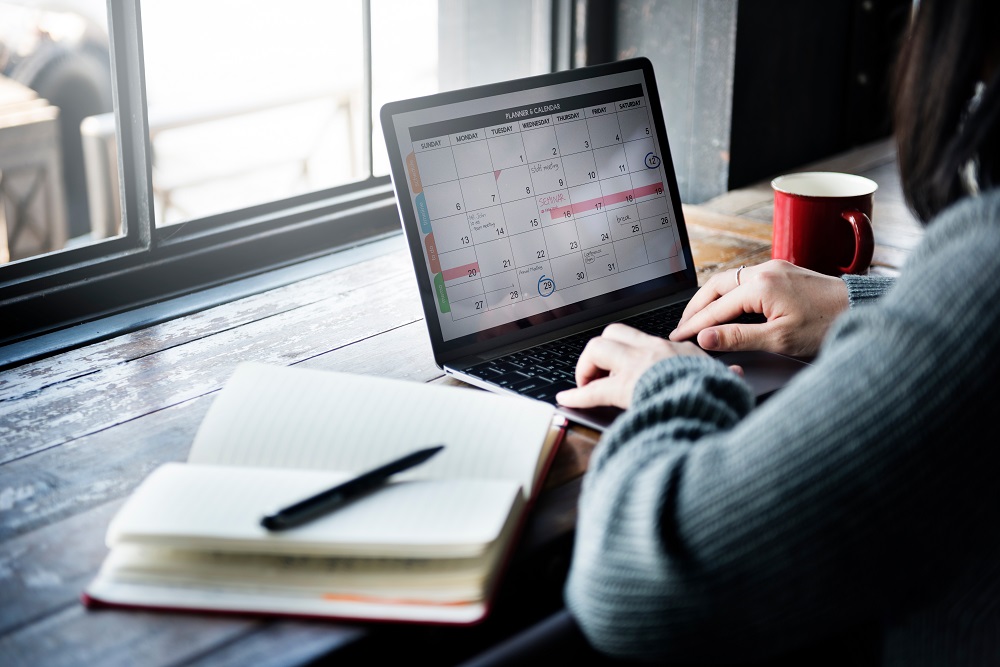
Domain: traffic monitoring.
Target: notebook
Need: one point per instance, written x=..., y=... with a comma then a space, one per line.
x=536, y=212
x=429, y=546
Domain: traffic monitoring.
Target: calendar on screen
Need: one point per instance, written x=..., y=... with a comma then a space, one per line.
x=533, y=199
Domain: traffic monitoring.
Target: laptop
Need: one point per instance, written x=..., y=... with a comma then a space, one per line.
x=536, y=212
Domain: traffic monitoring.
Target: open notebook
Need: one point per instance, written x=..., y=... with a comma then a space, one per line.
x=429, y=546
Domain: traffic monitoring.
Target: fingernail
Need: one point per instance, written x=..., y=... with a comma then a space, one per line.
x=709, y=339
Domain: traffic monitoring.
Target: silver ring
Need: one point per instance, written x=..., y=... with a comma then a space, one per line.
x=742, y=266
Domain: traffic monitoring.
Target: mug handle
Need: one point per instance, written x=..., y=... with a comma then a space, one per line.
x=864, y=242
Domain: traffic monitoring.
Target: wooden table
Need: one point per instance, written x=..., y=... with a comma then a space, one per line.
x=79, y=430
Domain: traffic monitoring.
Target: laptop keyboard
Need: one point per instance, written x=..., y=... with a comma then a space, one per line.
x=543, y=371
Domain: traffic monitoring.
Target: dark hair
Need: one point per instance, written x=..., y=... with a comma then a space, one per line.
x=950, y=46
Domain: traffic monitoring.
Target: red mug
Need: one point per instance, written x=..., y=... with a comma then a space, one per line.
x=823, y=221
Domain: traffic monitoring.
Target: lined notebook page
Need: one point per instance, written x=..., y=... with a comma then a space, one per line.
x=286, y=417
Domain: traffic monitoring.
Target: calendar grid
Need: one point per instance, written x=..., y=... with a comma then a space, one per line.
x=528, y=219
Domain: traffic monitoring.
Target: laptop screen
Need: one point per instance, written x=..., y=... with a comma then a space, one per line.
x=535, y=200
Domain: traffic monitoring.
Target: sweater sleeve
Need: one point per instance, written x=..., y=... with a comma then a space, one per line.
x=864, y=289
x=710, y=531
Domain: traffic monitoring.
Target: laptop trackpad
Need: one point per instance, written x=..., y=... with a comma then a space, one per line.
x=765, y=372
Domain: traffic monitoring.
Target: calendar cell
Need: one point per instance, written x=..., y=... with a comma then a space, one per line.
x=521, y=216
x=661, y=244
x=459, y=266
x=480, y=191
x=528, y=248
x=653, y=214
x=624, y=222
x=561, y=239
x=529, y=277
x=436, y=166
x=467, y=307
x=634, y=124
x=573, y=137
x=600, y=261
x=495, y=257
x=580, y=168
x=631, y=253
x=604, y=131
x=444, y=199
x=472, y=159
x=610, y=161
x=554, y=206
x=587, y=200
x=540, y=144
x=507, y=151
x=568, y=270
x=487, y=224
x=593, y=230
x=502, y=290
x=547, y=176
x=514, y=183
x=452, y=233
x=617, y=192
x=636, y=154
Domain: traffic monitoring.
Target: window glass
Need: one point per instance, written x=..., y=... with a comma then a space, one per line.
x=251, y=101
x=55, y=79
x=426, y=46
x=404, y=60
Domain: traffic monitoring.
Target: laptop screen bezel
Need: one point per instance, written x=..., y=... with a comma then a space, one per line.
x=566, y=316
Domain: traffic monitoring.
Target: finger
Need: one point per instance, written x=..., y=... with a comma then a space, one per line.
x=604, y=391
x=736, y=337
x=725, y=309
x=709, y=292
x=736, y=368
x=599, y=358
x=627, y=335
x=717, y=286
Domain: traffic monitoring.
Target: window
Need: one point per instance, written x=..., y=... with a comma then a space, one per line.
x=151, y=149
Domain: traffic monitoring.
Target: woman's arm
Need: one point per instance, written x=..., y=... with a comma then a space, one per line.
x=708, y=530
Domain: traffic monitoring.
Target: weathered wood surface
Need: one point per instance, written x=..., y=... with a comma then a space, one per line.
x=79, y=430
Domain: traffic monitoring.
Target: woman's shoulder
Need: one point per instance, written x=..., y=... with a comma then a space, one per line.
x=966, y=232
x=980, y=212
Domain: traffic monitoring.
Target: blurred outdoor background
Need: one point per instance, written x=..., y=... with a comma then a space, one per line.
x=249, y=101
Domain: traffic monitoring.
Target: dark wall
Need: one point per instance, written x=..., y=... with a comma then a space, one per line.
x=753, y=88
x=811, y=79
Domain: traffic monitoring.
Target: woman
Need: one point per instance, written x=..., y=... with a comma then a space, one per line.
x=866, y=493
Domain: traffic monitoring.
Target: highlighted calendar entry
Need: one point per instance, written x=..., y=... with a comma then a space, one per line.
x=549, y=202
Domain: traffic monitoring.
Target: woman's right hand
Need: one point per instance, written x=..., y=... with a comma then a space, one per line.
x=800, y=306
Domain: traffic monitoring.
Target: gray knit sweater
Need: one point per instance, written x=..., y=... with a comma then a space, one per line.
x=867, y=490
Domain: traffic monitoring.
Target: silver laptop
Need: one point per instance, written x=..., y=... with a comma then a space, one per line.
x=538, y=211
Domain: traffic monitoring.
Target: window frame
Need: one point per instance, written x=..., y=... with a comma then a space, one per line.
x=45, y=299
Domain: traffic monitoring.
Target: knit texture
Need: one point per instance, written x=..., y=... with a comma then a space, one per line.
x=865, y=491
x=863, y=289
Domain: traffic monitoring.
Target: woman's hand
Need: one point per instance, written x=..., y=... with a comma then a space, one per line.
x=611, y=364
x=799, y=304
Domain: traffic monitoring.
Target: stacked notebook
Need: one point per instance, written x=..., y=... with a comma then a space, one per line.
x=429, y=546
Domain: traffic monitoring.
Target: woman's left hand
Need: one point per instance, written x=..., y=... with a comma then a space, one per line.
x=612, y=363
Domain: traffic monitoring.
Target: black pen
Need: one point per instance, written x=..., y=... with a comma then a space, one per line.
x=329, y=500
